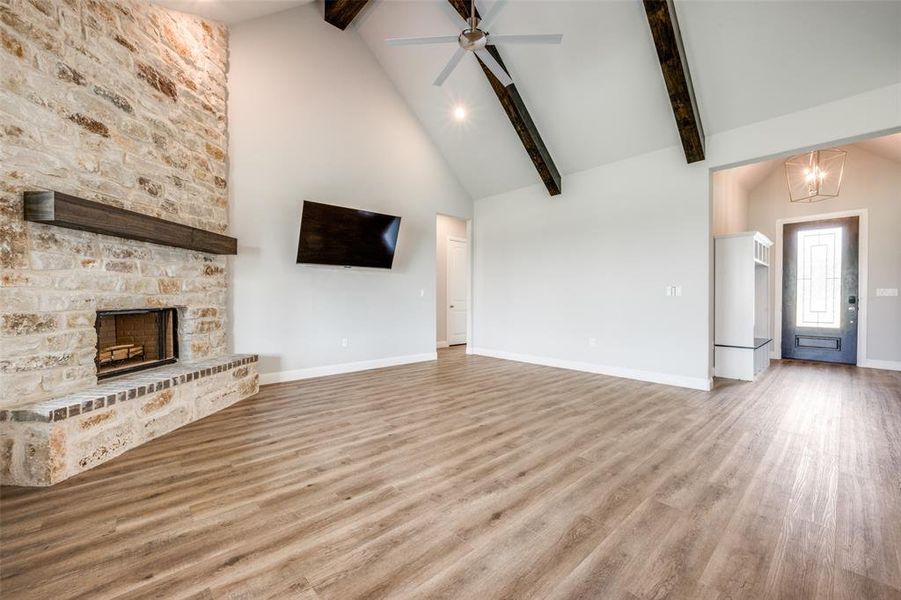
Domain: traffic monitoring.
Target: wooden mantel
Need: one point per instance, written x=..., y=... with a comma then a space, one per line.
x=63, y=210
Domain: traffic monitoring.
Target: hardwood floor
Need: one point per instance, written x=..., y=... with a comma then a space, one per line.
x=480, y=478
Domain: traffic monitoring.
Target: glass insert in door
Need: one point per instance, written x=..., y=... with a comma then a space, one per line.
x=819, y=278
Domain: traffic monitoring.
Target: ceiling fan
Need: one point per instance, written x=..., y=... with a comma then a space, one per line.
x=474, y=38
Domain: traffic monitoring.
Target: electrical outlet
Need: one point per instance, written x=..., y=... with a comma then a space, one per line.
x=887, y=292
x=593, y=342
x=344, y=342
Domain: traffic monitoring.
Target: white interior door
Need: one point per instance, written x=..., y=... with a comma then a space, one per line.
x=457, y=308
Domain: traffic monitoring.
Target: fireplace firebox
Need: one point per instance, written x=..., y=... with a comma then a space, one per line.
x=134, y=340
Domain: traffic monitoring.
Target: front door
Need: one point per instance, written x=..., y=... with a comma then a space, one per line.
x=819, y=290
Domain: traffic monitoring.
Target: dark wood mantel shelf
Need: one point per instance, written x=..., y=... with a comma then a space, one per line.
x=63, y=210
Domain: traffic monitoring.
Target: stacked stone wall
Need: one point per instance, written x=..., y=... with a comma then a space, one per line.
x=124, y=103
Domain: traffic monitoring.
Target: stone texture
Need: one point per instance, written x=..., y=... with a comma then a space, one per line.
x=46, y=442
x=123, y=103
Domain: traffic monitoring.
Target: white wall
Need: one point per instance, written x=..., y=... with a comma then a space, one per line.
x=846, y=120
x=446, y=226
x=729, y=203
x=312, y=116
x=551, y=272
x=594, y=262
x=870, y=182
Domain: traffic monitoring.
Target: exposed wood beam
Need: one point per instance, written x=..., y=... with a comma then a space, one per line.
x=674, y=65
x=519, y=116
x=341, y=13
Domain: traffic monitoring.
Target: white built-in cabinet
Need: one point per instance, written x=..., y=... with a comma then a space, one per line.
x=742, y=340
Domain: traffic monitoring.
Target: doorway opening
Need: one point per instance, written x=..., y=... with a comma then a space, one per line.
x=833, y=274
x=452, y=293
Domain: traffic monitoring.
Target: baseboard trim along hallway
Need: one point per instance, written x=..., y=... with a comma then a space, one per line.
x=351, y=367
x=694, y=383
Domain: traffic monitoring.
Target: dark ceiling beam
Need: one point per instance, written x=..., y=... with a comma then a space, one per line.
x=674, y=65
x=341, y=13
x=519, y=116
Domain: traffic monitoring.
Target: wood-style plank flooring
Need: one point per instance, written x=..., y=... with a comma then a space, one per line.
x=479, y=478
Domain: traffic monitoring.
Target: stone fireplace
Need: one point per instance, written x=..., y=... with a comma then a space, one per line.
x=121, y=103
x=135, y=340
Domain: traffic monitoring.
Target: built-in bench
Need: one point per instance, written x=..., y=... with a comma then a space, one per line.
x=46, y=442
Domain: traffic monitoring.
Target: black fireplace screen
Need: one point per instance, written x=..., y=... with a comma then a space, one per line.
x=133, y=340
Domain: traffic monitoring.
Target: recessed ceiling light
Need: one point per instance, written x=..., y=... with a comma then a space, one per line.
x=460, y=112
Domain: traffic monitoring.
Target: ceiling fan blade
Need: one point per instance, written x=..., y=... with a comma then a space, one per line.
x=494, y=67
x=541, y=38
x=451, y=65
x=489, y=17
x=452, y=14
x=417, y=41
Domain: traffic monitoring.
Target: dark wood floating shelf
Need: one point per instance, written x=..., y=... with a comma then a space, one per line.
x=63, y=210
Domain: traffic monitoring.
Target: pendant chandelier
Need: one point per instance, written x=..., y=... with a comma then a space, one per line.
x=815, y=175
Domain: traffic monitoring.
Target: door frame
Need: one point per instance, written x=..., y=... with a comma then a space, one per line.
x=862, y=271
x=469, y=281
x=466, y=292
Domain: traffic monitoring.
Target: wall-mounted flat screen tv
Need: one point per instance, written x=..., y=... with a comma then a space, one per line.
x=335, y=235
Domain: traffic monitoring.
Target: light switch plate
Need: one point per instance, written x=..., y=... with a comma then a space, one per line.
x=887, y=292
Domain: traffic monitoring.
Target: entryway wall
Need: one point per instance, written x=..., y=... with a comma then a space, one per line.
x=871, y=181
x=445, y=227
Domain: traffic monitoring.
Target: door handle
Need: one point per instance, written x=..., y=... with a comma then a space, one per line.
x=451, y=305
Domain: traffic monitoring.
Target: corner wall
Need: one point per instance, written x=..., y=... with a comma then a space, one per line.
x=730, y=203
x=579, y=280
x=312, y=116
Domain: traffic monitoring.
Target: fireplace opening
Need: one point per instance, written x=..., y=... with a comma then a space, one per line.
x=133, y=340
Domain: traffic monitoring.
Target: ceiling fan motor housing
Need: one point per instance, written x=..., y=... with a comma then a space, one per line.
x=473, y=39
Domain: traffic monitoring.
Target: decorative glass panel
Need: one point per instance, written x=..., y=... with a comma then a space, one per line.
x=819, y=277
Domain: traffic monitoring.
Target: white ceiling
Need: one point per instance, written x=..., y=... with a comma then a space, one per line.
x=596, y=98
x=754, y=60
x=230, y=12
x=600, y=97
x=751, y=175
x=888, y=146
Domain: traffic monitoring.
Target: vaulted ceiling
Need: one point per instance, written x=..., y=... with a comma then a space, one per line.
x=230, y=12
x=599, y=96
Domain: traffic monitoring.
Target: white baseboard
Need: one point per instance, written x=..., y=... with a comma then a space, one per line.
x=442, y=344
x=888, y=365
x=352, y=367
x=867, y=363
x=695, y=383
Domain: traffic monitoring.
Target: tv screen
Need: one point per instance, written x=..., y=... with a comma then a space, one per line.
x=335, y=235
